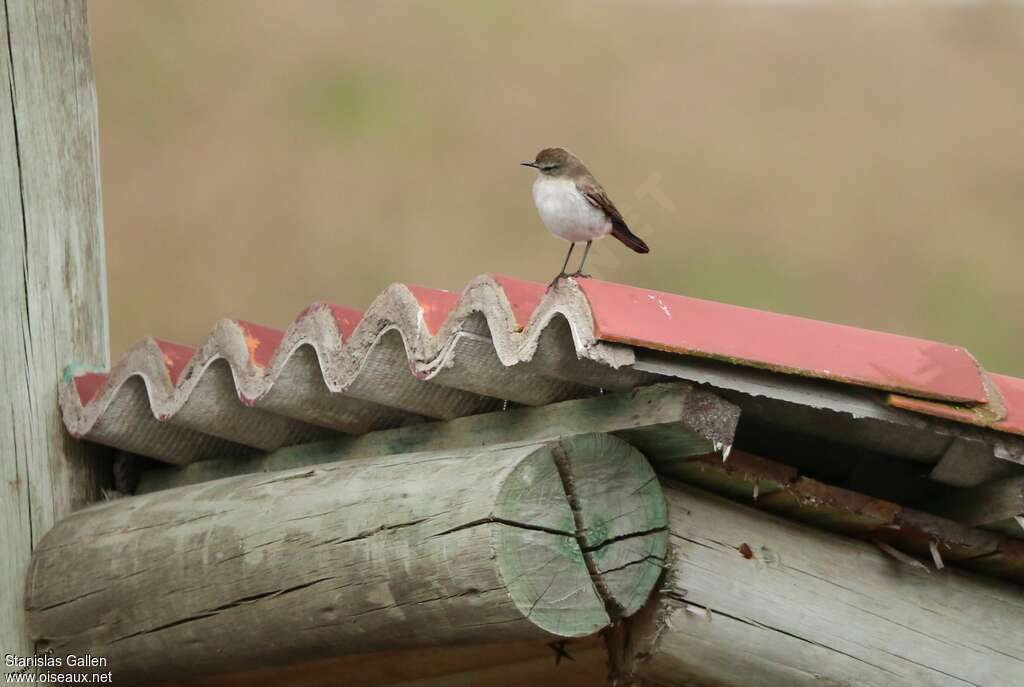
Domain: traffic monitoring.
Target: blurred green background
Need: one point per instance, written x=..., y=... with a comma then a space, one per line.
x=862, y=164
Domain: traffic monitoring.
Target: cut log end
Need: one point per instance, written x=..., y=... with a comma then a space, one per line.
x=606, y=538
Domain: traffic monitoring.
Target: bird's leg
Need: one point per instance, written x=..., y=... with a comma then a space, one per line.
x=579, y=272
x=565, y=264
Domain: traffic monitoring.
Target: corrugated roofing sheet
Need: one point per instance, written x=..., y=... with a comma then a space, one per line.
x=422, y=353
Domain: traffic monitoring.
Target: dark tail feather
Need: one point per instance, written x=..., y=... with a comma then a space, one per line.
x=622, y=233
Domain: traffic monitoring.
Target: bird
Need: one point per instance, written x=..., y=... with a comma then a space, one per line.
x=575, y=207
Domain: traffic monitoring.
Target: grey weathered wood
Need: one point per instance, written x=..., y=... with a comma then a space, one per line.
x=666, y=421
x=754, y=599
x=534, y=542
x=996, y=505
x=52, y=283
x=970, y=462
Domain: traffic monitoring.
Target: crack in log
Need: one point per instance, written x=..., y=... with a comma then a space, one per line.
x=443, y=597
x=127, y=530
x=931, y=668
x=540, y=596
x=26, y=338
x=366, y=534
x=62, y=602
x=700, y=543
x=564, y=467
x=286, y=478
x=618, y=636
x=249, y=550
x=503, y=521
x=638, y=561
x=209, y=613
x=770, y=628
x=623, y=537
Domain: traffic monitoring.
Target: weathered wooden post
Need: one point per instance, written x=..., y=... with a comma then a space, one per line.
x=53, y=307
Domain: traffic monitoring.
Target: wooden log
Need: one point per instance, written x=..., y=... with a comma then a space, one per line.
x=754, y=599
x=53, y=308
x=535, y=542
x=668, y=422
x=779, y=488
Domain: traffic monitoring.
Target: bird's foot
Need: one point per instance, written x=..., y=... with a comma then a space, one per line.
x=560, y=275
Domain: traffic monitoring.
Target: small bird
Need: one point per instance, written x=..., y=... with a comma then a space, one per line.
x=574, y=207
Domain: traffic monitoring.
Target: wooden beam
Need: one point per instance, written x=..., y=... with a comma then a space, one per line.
x=779, y=488
x=754, y=599
x=997, y=506
x=667, y=422
x=547, y=541
x=970, y=462
x=53, y=308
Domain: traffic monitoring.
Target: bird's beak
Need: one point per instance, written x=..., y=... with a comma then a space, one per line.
x=529, y=164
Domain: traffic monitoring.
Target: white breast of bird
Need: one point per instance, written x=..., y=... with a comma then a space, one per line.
x=566, y=212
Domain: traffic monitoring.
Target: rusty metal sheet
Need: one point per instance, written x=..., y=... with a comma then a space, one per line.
x=783, y=343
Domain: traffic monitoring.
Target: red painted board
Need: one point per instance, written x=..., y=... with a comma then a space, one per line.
x=980, y=415
x=662, y=321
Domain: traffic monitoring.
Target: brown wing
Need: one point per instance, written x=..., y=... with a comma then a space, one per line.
x=597, y=197
x=594, y=193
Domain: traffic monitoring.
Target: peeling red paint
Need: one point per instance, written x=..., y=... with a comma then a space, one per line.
x=783, y=343
x=261, y=341
x=176, y=358
x=435, y=304
x=346, y=318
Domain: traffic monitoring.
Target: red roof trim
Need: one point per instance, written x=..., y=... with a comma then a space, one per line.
x=784, y=343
